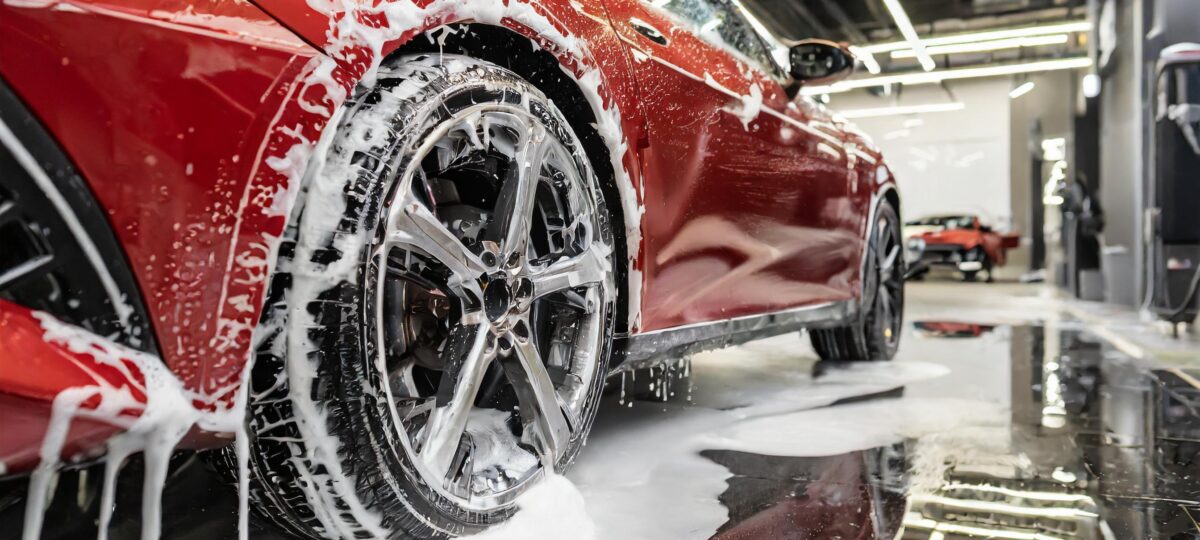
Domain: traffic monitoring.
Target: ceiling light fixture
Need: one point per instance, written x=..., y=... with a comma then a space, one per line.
x=867, y=59
x=1022, y=90
x=910, y=34
x=1091, y=85
x=951, y=74
x=984, y=46
x=1007, y=33
x=902, y=110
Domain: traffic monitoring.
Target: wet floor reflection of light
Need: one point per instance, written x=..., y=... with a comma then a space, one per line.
x=979, y=429
x=1088, y=456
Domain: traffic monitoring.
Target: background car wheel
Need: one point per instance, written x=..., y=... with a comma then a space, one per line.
x=978, y=254
x=876, y=334
x=440, y=322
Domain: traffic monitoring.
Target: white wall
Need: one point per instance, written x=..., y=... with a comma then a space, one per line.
x=947, y=162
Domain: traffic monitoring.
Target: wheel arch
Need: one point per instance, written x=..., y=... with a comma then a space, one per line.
x=886, y=192
x=525, y=56
x=891, y=195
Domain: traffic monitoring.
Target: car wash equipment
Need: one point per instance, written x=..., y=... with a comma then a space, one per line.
x=1174, y=223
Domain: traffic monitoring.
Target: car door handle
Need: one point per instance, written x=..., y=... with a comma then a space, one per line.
x=646, y=29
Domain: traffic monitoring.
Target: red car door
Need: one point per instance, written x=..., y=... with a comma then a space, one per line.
x=746, y=198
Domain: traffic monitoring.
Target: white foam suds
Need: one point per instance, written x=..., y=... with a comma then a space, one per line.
x=552, y=510
x=153, y=427
x=758, y=398
x=495, y=448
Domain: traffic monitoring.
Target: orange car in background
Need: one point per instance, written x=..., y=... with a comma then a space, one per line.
x=960, y=241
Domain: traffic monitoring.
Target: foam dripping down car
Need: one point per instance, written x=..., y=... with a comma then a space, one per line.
x=387, y=253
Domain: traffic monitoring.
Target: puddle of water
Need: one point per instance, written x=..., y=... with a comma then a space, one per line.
x=1099, y=446
x=1021, y=431
x=859, y=494
x=951, y=329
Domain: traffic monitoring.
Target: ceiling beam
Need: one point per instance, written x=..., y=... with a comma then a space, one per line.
x=843, y=20
x=808, y=17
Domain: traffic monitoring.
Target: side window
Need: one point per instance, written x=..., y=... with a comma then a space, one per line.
x=719, y=22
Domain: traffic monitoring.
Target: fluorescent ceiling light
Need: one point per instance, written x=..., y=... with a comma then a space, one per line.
x=1022, y=90
x=951, y=74
x=910, y=33
x=1091, y=85
x=898, y=111
x=1008, y=33
x=867, y=59
x=983, y=46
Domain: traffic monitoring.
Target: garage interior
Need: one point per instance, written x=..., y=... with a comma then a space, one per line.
x=1058, y=398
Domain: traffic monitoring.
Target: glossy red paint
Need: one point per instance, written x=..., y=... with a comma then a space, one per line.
x=748, y=201
x=952, y=329
x=171, y=134
x=840, y=503
x=181, y=114
x=33, y=371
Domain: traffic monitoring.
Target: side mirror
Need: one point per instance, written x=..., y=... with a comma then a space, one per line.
x=817, y=61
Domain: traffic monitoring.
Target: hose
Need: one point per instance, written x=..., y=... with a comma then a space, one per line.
x=1190, y=297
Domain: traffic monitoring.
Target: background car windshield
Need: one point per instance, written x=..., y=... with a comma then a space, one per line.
x=948, y=222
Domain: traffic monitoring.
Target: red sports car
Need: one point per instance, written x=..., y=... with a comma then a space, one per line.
x=388, y=251
x=961, y=242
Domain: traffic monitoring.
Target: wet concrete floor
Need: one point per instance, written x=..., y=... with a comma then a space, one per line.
x=999, y=419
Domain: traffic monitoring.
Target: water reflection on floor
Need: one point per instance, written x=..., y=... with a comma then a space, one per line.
x=1098, y=446
x=859, y=494
x=985, y=426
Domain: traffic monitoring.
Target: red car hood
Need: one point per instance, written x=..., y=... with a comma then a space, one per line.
x=960, y=237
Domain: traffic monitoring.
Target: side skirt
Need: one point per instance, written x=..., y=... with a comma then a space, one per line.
x=657, y=347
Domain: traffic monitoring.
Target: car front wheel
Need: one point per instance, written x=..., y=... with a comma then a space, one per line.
x=442, y=313
x=875, y=334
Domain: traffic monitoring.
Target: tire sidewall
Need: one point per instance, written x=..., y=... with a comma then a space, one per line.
x=878, y=343
x=350, y=385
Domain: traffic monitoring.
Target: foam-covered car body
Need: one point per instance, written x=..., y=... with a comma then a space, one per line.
x=160, y=144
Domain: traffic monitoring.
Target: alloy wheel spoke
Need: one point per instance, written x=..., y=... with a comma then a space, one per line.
x=889, y=262
x=540, y=408
x=514, y=207
x=412, y=224
x=584, y=269
x=467, y=360
x=885, y=306
x=540, y=237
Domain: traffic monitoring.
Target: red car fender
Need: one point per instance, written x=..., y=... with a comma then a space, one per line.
x=33, y=372
x=165, y=169
x=577, y=33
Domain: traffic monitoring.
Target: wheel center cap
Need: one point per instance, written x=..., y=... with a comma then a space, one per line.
x=497, y=300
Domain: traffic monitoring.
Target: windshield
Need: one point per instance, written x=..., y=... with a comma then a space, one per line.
x=947, y=222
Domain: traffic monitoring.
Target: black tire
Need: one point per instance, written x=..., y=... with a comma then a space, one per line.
x=875, y=335
x=978, y=254
x=359, y=481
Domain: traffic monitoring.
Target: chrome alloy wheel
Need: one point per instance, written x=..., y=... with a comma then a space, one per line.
x=492, y=286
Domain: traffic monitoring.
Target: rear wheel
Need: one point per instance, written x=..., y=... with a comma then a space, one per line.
x=442, y=314
x=875, y=335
